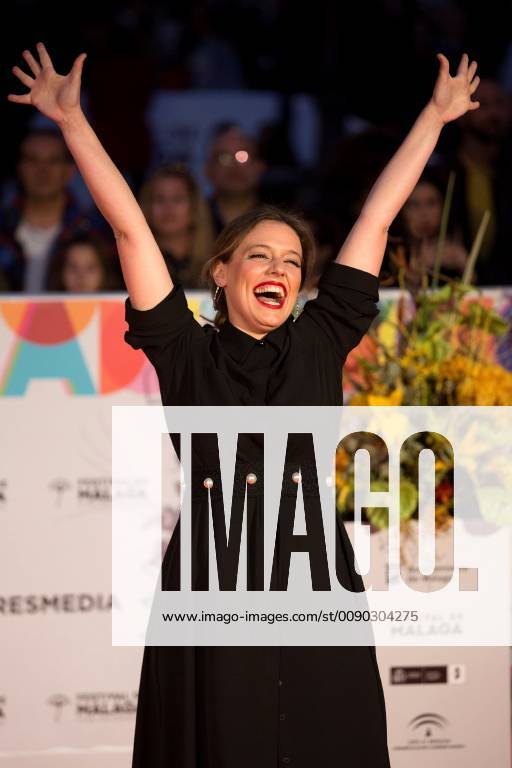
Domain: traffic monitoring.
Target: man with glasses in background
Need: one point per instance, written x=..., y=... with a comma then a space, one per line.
x=234, y=168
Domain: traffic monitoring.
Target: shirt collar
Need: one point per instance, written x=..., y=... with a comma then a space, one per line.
x=240, y=344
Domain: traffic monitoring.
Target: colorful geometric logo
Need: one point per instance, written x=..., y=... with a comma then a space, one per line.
x=80, y=343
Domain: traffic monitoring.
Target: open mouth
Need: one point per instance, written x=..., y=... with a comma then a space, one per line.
x=271, y=295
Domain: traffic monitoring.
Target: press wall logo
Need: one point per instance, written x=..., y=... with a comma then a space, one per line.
x=428, y=675
x=94, y=489
x=3, y=492
x=105, y=704
x=90, y=491
x=94, y=705
x=3, y=709
x=428, y=730
x=67, y=602
x=428, y=726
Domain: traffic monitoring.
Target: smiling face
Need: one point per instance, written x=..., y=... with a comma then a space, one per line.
x=262, y=278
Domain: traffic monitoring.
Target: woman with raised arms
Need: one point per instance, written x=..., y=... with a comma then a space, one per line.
x=257, y=707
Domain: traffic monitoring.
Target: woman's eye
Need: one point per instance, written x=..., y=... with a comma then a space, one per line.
x=266, y=256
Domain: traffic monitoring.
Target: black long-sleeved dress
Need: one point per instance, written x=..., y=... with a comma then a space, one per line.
x=259, y=707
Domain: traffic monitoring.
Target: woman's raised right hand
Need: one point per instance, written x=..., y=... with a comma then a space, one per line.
x=56, y=96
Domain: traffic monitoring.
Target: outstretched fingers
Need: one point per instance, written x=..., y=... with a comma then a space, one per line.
x=471, y=70
x=474, y=85
x=21, y=75
x=19, y=98
x=78, y=65
x=445, y=64
x=44, y=56
x=34, y=66
x=462, y=69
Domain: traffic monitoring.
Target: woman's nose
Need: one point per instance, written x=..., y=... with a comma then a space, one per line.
x=277, y=265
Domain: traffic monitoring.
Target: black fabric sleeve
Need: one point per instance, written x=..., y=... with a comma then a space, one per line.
x=344, y=308
x=163, y=332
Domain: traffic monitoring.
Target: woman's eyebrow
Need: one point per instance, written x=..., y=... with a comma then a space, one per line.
x=268, y=247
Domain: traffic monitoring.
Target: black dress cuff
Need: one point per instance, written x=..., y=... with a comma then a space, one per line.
x=148, y=319
x=350, y=277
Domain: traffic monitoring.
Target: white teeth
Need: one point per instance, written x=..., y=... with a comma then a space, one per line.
x=270, y=289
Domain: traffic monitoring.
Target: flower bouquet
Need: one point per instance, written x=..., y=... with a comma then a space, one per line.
x=442, y=353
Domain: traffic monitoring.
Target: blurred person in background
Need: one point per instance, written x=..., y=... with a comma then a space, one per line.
x=180, y=220
x=83, y=264
x=413, y=242
x=348, y=168
x=326, y=233
x=234, y=168
x=482, y=162
x=42, y=216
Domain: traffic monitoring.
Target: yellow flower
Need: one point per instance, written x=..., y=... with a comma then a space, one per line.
x=341, y=498
x=394, y=398
x=359, y=398
x=342, y=459
x=477, y=383
x=466, y=392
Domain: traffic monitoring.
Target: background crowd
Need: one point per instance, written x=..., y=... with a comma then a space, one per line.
x=369, y=68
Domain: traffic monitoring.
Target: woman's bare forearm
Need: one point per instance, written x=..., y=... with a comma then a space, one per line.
x=110, y=191
x=57, y=97
x=366, y=243
x=450, y=100
x=398, y=179
x=145, y=272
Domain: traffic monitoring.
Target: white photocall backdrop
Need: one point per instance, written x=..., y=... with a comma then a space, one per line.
x=67, y=697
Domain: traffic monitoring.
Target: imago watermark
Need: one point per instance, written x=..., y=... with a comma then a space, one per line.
x=313, y=525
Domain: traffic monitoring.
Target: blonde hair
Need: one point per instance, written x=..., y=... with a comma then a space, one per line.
x=233, y=234
x=202, y=234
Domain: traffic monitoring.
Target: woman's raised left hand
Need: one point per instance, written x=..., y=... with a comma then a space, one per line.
x=452, y=95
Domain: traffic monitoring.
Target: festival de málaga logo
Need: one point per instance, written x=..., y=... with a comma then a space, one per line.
x=93, y=705
x=3, y=709
x=94, y=490
x=87, y=492
x=91, y=493
x=105, y=704
x=3, y=492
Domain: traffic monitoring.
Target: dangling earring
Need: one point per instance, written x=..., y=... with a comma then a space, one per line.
x=216, y=295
